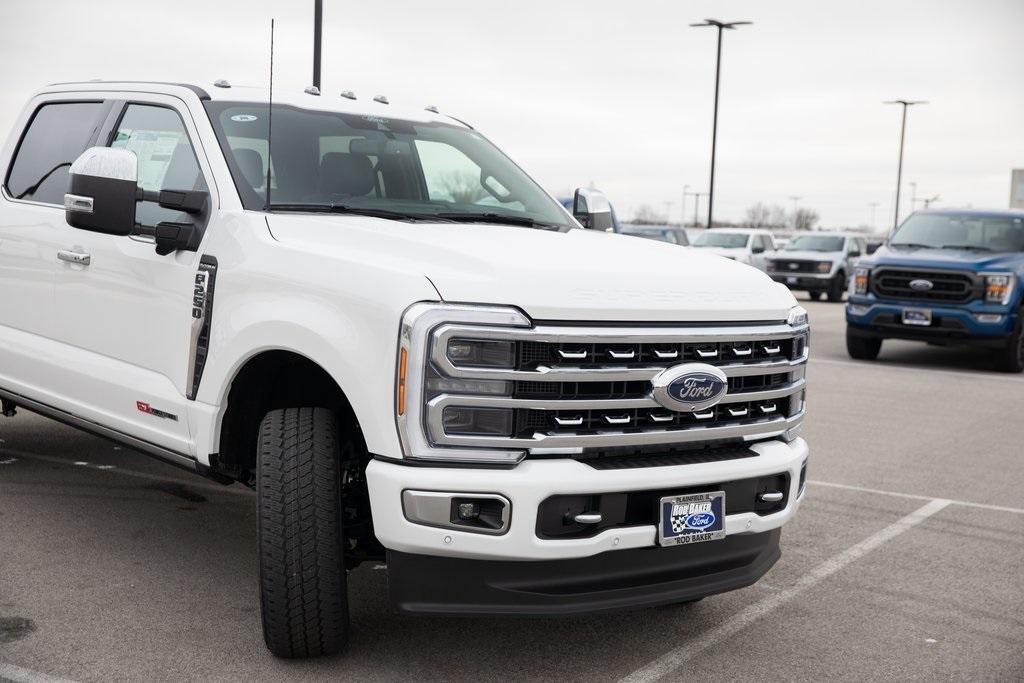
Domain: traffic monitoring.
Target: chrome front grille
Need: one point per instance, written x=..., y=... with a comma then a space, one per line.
x=573, y=388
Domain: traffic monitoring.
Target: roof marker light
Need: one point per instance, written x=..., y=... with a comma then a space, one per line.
x=433, y=109
x=221, y=83
x=348, y=94
x=312, y=90
x=382, y=99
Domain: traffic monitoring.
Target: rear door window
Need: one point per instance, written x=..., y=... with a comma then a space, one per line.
x=56, y=136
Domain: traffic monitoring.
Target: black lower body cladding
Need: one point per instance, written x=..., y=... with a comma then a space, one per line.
x=615, y=580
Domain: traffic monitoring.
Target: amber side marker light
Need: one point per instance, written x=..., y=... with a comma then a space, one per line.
x=403, y=361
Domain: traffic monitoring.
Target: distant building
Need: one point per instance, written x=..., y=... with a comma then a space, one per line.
x=1017, y=189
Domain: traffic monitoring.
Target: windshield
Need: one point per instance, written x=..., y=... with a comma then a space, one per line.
x=727, y=240
x=659, y=234
x=992, y=232
x=815, y=243
x=390, y=168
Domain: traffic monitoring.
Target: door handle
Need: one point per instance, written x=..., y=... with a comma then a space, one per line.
x=74, y=257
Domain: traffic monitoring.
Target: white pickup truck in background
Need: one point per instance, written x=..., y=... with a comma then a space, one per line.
x=413, y=354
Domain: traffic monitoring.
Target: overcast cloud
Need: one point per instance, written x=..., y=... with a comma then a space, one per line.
x=611, y=92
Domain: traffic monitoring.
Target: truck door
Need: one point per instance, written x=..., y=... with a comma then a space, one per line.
x=51, y=135
x=128, y=313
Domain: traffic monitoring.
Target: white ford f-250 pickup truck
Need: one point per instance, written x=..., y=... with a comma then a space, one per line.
x=413, y=353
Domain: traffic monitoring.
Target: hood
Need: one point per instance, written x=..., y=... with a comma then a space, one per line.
x=800, y=255
x=572, y=275
x=964, y=259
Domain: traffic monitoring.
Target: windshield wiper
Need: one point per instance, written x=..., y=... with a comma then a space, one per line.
x=912, y=245
x=354, y=210
x=975, y=247
x=504, y=219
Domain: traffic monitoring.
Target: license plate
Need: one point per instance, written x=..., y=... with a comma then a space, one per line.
x=692, y=518
x=917, y=316
x=790, y=280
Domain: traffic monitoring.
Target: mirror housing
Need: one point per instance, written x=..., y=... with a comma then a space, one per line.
x=757, y=250
x=592, y=209
x=101, y=191
x=171, y=237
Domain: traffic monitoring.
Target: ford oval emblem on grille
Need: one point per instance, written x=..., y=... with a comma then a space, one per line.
x=921, y=285
x=690, y=387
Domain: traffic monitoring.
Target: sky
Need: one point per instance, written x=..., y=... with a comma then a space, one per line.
x=611, y=94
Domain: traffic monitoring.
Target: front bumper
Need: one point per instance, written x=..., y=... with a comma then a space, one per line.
x=867, y=316
x=812, y=281
x=533, y=481
x=617, y=580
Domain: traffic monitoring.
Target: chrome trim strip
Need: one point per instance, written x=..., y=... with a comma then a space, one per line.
x=608, y=438
x=612, y=373
x=439, y=403
x=433, y=508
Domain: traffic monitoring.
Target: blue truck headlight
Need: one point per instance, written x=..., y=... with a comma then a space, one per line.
x=860, y=280
x=998, y=287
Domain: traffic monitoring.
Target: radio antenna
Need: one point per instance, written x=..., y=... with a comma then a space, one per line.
x=270, y=112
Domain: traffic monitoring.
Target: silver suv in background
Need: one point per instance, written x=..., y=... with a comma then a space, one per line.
x=819, y=264
x=746, y=245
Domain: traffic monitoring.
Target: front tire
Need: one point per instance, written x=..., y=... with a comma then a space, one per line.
x=303, y=585
x=862, y=348
x=837, y=287
x=1011, y=359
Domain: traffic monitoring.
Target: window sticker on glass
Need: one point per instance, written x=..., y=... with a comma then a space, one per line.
x=154, y=150
x=243, y=118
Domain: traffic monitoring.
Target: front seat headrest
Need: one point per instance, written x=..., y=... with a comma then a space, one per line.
x=346, y=173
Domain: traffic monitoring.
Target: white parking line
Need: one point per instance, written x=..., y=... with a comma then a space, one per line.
x=914, y=496
x=674, y=659
x=10, y=672
x=887, y=366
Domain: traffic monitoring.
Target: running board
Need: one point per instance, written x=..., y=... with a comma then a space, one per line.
x=158, y=452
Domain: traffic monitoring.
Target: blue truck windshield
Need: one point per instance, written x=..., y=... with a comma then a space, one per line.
x=980, y=232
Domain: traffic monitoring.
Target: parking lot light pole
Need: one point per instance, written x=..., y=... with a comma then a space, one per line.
x=720, y=25
x=795, y=200
x=682, y=211
x=899, y=167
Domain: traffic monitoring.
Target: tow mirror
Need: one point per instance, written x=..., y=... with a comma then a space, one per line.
x=101, y=191
x=592, y=209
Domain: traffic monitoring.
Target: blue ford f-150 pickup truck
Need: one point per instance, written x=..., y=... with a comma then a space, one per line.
x=944, y=277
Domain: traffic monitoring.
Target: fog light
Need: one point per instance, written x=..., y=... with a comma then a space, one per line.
x=469, y=511
x=857, y=309
x=988, y=317
x=477, y=421
x=824, y=266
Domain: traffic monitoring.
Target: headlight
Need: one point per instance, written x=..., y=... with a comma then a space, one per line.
x=824, y=266
x=797, y=317
x=860, y=280
x=435, y=341
x=998, y=287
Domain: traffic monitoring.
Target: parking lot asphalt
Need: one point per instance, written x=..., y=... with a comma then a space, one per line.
x=906, y=560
